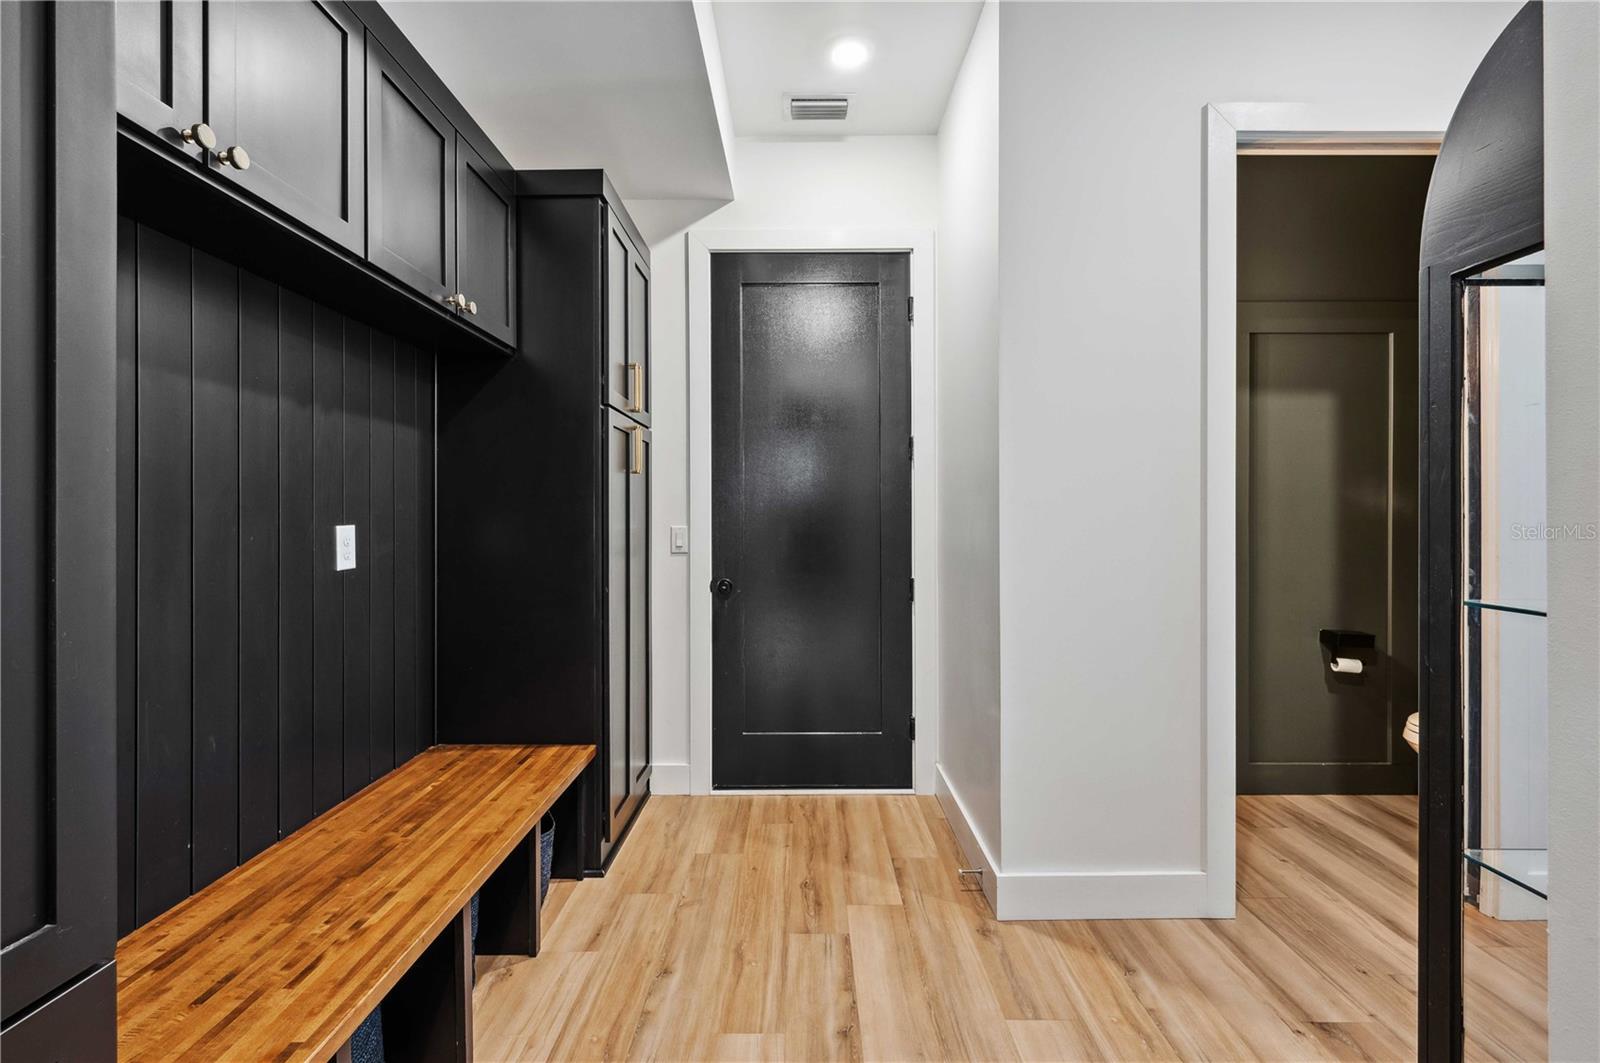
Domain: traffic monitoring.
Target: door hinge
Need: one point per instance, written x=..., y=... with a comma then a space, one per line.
x=911, y=308
x=913, y=588
x=913, y=728
x=911, y=448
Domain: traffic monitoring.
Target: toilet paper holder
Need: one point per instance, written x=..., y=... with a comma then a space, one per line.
x=1339, y=649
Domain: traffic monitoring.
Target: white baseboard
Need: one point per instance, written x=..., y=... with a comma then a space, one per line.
x=1102, y=895
x=670, y=779
x=1072, y=894
x=968, y=838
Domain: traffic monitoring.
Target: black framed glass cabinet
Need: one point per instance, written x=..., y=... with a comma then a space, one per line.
x=1483, y=758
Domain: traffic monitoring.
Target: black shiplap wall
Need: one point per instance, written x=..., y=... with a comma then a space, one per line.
x=259, y=687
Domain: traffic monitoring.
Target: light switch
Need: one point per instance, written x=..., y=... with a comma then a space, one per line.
x=344, y=547
x=678, y=538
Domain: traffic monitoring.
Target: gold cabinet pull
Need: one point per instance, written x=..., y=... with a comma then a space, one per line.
x=635, y=387
x=636, y=452
x=234, y=156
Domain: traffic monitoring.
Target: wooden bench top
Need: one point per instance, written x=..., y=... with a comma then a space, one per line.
x=283, y=957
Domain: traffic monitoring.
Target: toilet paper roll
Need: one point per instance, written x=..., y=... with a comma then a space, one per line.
x=1346, y=665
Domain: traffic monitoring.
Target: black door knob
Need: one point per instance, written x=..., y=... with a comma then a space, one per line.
x=723, y=587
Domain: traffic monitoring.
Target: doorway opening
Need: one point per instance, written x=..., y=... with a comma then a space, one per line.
x=1327, y=516
x=812, y=586
x=1327, y=460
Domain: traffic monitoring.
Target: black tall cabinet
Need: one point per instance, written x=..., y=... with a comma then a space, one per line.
x=544, y=512
x=58, y=910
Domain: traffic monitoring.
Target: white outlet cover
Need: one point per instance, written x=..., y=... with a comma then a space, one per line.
x=344, y=547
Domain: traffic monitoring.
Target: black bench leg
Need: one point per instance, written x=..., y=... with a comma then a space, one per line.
x=508, y=907
x=427, y=1016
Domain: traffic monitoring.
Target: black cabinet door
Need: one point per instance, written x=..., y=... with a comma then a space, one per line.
x=161, y=66
x=411, y=171
x=485, y=258
x=639, y=614
x=58, y=477
x=618, y=388
x=619, y=458
x=639, y=335
x=285, y=83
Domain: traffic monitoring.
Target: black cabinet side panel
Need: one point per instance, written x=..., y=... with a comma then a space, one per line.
x=26, y=390
x=127, y=567
x=519, y=480
x=58, y=466
x=267, y=684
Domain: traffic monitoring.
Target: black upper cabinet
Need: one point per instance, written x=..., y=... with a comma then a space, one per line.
x=161, y=67
x=485, y=253
x=411, y=175
x=285, y=86
x=323, y=112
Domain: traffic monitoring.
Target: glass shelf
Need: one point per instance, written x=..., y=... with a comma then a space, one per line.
x=1504, y=607
x=1520, y=867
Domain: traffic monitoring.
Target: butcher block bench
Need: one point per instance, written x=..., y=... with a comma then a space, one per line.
x=283, y=957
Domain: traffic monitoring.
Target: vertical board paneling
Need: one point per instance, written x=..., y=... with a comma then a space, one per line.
x=163, y=526
x=425, y=546
x=261, y=685
x=258, y=565
x=357, y=471
x=407, y=516
x=127, y=569
x=380, y=520
x=296, y=556
x=214, y=464
x=327, y=358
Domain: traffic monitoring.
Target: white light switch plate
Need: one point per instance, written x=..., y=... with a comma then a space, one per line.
x=678, y=538
x=344, y=547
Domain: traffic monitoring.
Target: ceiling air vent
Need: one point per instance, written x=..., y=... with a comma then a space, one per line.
x=818, y=108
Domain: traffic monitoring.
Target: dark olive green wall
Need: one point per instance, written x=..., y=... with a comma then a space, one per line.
x=1331, y=227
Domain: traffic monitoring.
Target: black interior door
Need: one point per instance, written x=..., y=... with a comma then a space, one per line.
x=285, y=83
x=811, y=520
x=484, y=253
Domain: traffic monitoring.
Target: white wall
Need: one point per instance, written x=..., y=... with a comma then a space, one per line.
x=838, y=183
x=969, y=336
x=1100, y=401
x=1572, y=329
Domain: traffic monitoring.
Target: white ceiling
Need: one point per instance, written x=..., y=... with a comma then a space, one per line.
x=771, y=49
x=622, y=86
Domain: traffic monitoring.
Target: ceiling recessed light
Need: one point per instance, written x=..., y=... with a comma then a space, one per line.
x=850, y=53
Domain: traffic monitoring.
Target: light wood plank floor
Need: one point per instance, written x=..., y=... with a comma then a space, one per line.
x=735, y=928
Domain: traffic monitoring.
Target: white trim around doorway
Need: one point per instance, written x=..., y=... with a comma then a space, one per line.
x=1227, y=126
x=702, y=244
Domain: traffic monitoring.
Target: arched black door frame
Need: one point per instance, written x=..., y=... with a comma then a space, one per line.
x=1485, y=207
